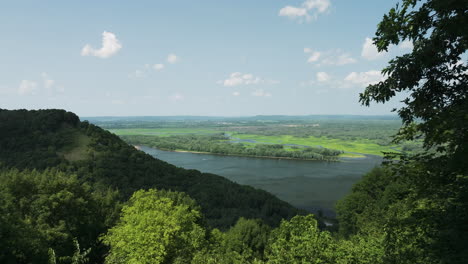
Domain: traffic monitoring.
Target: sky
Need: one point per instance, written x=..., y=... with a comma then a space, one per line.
x=209, y=58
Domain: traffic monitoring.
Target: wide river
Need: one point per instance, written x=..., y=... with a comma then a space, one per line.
x=309, y=185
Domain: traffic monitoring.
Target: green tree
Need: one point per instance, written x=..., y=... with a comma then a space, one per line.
x=428, y=223
x=300, y=241
x=50, y=209
x=434, y=73
x=156, y=227
x=248, y=237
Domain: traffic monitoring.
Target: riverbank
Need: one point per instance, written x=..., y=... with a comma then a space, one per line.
x=344, y=155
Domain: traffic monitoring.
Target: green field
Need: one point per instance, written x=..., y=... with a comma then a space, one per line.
x=362, y=146
x=353, y=148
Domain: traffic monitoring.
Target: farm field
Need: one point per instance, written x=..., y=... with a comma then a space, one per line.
x=352, y=138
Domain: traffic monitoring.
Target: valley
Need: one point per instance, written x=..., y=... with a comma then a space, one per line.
x=308, y=161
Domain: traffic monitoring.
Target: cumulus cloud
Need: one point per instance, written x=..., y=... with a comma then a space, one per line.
x=110, y=46
x=315, y=56
x=339, y=59
x=369, y=50
x=158, y=67
x=353, y=80
x=332, y=57
x=172, y=58
x=364, y=78
x=322, y=77
x=261, y=93
x=293, y=12
x=406, y=44
x=48, y=82
x=308, y=11
x=238, y=78
x=27, y=87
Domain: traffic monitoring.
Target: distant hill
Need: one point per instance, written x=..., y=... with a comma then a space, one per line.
x=44, y=139
x=94, y=119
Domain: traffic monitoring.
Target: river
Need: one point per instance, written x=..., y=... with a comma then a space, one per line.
x=310, y=185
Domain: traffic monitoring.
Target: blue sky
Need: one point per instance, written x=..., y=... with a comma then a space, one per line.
x=230, y=58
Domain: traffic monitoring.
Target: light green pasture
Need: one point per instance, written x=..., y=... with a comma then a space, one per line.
x=363, y=146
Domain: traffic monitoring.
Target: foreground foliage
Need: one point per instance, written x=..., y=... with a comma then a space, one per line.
x=42, y=211
x=424, y=208
x=156, y=227
x=166, y=227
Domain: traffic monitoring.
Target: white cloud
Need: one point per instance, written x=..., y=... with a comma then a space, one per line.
x=261, y=93
x=110, y=46
x=339, y=59
x=308, y=11
x=27, y=87
x=364, y=78
x=331, y=57
x=234, y=79
x=406, y=44
x=369, y=50
x=172, y=58
x=158, y=67
x=314, y=57
x=320, y=5
x=48, y=82
x=238, y=78
x=236, y=93
x=293, y=12
x=323, y=77
x=353, y=80
x=51, y=85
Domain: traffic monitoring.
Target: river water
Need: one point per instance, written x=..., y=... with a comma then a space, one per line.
x=309, y=185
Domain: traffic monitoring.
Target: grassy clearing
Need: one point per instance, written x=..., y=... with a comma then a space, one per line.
x=78, y=150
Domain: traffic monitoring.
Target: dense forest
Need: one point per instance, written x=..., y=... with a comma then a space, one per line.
x=219, y=144
x=45, y=152
x=71, y=192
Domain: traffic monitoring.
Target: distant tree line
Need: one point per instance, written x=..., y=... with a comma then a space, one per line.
x=219, y=144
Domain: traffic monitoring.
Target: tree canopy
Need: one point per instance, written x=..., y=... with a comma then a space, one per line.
x=156, y=227
x=424, y=209
x=435, y=73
